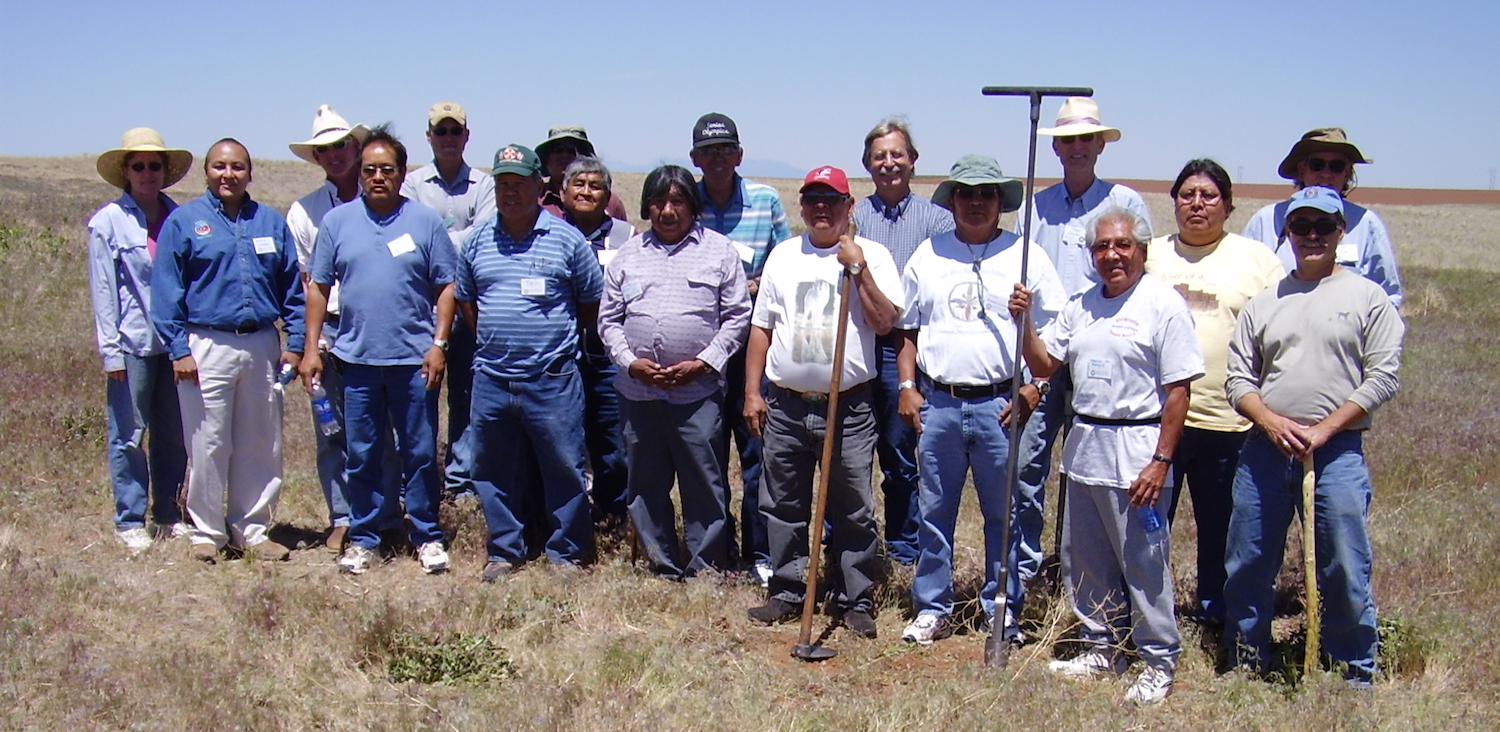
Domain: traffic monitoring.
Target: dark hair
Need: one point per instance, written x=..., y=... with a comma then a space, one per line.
x=249, y=164
x=382, y=134
x=661, y=181
x=1215, y=173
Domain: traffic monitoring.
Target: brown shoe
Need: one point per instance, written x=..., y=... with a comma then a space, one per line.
x=205, y=552
x=337, y=536
x=270, y=551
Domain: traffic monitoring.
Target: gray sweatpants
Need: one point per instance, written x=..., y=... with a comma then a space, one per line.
x=1120, y=584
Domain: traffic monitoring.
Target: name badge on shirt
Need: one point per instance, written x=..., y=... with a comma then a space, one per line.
x=1101, y=368
x=534, y=286
x=1347, y=253
x=402, y=245
x=631, y=291
x=264, y=245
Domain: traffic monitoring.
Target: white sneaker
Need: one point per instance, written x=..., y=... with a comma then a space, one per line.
x=136, y=540
x=356, y=560
x=763, y=573
x=1095, y=664
x=926, y=629
x=433, y=558
x=1151, y=687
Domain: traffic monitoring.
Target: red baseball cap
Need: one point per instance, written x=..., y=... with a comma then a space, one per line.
x=826, y=175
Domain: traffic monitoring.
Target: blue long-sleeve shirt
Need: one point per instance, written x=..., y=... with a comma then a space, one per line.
x=120, y=281
x=225, y=274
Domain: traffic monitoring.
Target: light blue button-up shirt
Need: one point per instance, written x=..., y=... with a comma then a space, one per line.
x=120, y=281
x=1060, y=222
x=470, y=201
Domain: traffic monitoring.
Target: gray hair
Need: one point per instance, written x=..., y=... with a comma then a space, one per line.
x=886, y=127
x=587, y=164
x=1140, y=230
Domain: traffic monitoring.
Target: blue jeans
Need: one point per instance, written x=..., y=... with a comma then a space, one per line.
x=960, y=436
x=602, y=433
x=754, y=544
x=375, y=398
x=460, y=376
x=1267, y=494
x=897, y=450
x=333, y=455
x=538, y=420
x=1205, y=461
x=145, y=402
x=1037, y=439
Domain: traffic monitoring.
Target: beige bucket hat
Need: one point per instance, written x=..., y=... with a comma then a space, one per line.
x=111, y=164
x=328, y=127
x=1322, y=139
x=1079, y=116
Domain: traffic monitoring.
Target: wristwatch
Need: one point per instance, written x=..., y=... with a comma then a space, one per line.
x=1158, y=457
x=440, y=343
x=1043, y=386
x=908, y=384
x=857, y=268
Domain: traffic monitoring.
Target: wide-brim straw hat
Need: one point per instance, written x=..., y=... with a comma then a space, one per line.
x=979, y=170
x=328, y=127
x=1080, y=116
x=111, y=164
x=1322, y=139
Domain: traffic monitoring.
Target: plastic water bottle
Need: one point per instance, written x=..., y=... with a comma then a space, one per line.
x=328, y=422
x=284, y=377
x=1156, y=529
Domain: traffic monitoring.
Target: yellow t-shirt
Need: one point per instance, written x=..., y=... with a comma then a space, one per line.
x=1216, y=281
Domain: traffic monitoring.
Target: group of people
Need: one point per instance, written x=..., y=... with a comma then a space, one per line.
x=591, y=368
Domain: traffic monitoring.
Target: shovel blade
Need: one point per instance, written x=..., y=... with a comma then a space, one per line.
x=996, y=651
x=812, y=652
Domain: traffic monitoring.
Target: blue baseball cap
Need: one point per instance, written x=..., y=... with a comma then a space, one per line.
x=1321, y=198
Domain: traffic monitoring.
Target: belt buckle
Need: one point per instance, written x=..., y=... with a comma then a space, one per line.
x=815, y=397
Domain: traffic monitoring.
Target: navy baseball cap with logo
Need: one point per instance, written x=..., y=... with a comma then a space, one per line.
x=517, y=159
x=715, y=129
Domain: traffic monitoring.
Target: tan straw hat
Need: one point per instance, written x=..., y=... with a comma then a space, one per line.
x=1079, y=116
x=328, y=127
x=111, y=164
x=1323, y=139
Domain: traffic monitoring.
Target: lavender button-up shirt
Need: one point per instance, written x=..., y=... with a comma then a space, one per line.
x=673, y=303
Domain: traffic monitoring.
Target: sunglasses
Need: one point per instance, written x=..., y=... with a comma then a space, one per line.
x=719, y=151
x=826, y=198
x=447, y=131
x=1303, y=227
x=371, y=170
x=564, y=148
x=140, y=167
x=332, y=146
x=984, y=193
x=1070, y=139
x=1316, y=165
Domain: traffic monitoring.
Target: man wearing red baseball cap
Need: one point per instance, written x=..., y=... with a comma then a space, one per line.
x=792, y=344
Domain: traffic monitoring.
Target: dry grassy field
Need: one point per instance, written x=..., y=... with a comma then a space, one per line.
x=93, y=639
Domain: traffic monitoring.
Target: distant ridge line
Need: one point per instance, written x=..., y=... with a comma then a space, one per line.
x=1277, y=191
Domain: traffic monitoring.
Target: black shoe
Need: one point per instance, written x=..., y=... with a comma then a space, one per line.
x=860, y=621
x=495, y=569
x=775, y=611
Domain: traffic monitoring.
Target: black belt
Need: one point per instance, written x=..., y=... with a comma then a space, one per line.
x=967, y=391
x=821, y=397
x=1102, y=422
x=242, y=330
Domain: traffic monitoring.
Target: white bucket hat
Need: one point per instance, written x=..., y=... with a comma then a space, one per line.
x=328, y=127
x=111, y=163
x=1079, y=116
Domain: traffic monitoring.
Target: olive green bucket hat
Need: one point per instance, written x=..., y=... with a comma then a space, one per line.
x=980, y=170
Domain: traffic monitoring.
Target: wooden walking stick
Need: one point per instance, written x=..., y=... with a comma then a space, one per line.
x=1310, y=568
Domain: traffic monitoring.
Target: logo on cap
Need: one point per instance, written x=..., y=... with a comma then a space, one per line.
x=1309, y=192
x=823, y=173
x=714, y=129
x=510, y=153
x=201, y=228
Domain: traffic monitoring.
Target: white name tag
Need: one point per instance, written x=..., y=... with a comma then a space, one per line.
x=1347, y=254
x=534, y=286
x=605, y=256
x=631, y=291
x=402, y=245
x=265, y=245
x=1100, y=368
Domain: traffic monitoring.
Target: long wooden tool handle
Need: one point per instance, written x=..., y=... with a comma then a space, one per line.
x=1310, y=568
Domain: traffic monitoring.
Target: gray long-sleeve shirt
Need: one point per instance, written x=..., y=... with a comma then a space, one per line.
x=1308, y=347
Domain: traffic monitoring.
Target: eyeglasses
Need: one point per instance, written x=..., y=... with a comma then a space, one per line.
x=984, y=192
x=339, y=145
x=140, y=167
x=1070, y=139
x=827, y=198
x=446, y=131
x=563, y=147
x=719, y=151
x=1316, y=165
x=371, y=170
x=1303, y=227
x=1209, y=198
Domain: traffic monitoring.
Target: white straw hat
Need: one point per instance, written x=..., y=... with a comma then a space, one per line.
x=328, y=127
x=1079, y=116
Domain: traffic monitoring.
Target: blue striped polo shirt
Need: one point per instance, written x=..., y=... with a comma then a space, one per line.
x=753, y=219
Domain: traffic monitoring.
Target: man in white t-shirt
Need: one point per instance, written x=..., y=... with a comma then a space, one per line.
x=959, y=335
x=792, y=340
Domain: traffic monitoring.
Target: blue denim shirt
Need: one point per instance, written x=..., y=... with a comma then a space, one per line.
x=120, y=281
x=225, y=274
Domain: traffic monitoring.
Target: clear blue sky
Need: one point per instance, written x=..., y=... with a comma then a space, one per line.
x=1413, y=83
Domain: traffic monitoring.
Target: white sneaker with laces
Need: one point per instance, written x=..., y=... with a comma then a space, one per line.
x=926, y=629
x=1094, y=664
x=434, y=559
x=1151, y=687
x=136, y=540
x=763, y=574
x=356, y=560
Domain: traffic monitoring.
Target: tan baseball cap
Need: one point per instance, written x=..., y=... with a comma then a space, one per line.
x=447, y=110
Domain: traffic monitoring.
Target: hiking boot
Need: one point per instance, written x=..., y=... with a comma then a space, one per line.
x=1151, y=687
x=205, y=552
x=356, y=560
x=775, y=611
x=269, y=551
x=495, y=569
x=337, y=536
x=433, y=558
x=1094, y=664
x=927, y=628
x=860, y=621
x=136, y=540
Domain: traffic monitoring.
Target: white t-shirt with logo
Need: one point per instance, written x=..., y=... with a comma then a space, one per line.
x=965, y=334
x=799, y=304
x=1123, y=352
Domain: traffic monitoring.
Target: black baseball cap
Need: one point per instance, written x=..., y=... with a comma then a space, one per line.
x=715, y=129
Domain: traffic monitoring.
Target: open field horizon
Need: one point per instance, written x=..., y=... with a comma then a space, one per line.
x=92, y=639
